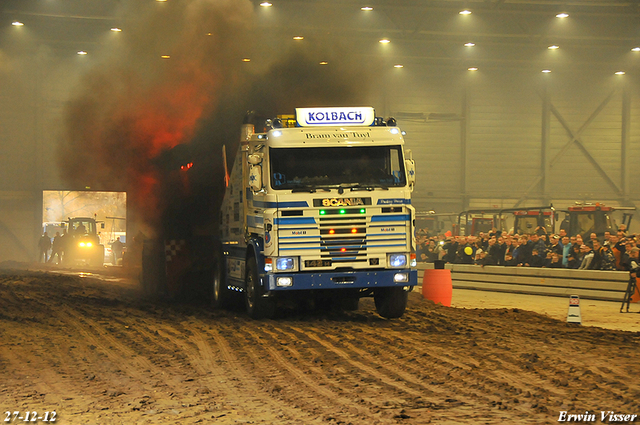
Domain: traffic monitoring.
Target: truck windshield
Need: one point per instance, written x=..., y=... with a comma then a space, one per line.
x=309, y=168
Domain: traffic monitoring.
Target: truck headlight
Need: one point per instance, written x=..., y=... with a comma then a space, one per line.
x=284, y=281
x=285, y=263
x=401, y=277
x=85, y=244
x=397, y=260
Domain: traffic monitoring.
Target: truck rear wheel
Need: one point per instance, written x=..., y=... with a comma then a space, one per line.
x=391, y=302
x=220, y=292
x=258, y=306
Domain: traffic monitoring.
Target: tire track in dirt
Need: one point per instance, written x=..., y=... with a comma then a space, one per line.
x=317, y=394
x=359, y=364
x=239, y=387
x=135, y=366
x=447, y=361
x=553, y=375
x=391, y=368
x=45, y=388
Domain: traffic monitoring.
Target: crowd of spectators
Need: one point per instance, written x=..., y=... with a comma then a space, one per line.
x=617, y=251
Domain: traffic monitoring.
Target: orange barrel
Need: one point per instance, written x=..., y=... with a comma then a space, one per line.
x=636, y=295
x=437, y=286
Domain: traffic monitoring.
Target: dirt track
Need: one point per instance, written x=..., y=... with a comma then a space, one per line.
x=97, y=352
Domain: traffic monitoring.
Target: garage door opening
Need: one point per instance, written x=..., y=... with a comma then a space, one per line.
x=94, y=220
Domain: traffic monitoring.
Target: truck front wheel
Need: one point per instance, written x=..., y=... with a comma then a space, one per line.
x=391, y=302
x=258, y=306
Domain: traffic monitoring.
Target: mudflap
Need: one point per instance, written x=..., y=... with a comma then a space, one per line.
x=189, y=265
x=153, y=274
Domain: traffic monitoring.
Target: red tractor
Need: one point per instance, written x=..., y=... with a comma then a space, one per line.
x=585, y=219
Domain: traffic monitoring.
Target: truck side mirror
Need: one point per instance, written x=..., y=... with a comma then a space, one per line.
x=410, y=169
x=255, y=178
x=255, y=158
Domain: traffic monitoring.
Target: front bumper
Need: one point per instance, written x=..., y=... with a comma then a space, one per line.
x=357, y=279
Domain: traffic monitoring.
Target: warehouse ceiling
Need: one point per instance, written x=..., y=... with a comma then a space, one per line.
x=596, y=34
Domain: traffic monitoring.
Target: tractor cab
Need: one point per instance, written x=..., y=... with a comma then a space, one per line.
x=475, y=222
x=84, y=244
x=585, y=219
x=529, y=221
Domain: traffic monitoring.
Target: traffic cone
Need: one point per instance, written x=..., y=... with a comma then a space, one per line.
x=573, y=315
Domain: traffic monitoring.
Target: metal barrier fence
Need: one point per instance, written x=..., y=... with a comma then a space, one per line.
x=588, y=284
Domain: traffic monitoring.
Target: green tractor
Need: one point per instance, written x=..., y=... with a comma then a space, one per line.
x=83, y=242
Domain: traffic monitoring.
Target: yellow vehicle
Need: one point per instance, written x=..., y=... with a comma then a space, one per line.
x=83, y=242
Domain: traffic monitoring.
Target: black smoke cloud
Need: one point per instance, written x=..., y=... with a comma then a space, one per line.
x=135, y=118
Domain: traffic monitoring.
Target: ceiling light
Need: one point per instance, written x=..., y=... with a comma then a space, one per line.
x=165, y=57
x=465, y=12
x=265, y=4
x=620, y=73
x=385, y=41
x=246, y=60
x=366, y=8
x=398, y=66
x=82, y=53
x=473, y=68
x=116, y=30
x=298, y=37
x=562, y=15
x=324, y=63
x=636, y=49
x=546, y=71
x=553, y=47
x=469, y=44
x=17, y=24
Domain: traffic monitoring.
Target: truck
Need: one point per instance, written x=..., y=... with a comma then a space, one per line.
x=83, y=241
x=317, y=208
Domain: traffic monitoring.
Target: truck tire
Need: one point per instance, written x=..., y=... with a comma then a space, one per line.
x=258, y=307
x=220, y=293
x=391, y=302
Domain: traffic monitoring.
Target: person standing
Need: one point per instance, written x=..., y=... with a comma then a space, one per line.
x=566, y=251
x=56, y=249
x=587, y=257
x=116, y=250
x=45, y=245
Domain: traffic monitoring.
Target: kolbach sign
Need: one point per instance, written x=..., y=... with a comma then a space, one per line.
x=309, y=117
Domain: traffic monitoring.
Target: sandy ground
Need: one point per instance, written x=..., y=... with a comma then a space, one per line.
x=92, y=348
x=604, y=314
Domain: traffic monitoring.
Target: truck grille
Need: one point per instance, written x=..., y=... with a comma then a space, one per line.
x=335, y=239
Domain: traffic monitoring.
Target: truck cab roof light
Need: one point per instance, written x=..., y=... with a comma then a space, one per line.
x=391, y=122
x=379, y=121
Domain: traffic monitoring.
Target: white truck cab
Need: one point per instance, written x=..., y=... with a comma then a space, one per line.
x=319, y=206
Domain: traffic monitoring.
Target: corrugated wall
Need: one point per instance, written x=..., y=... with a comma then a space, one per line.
x=504, y=139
